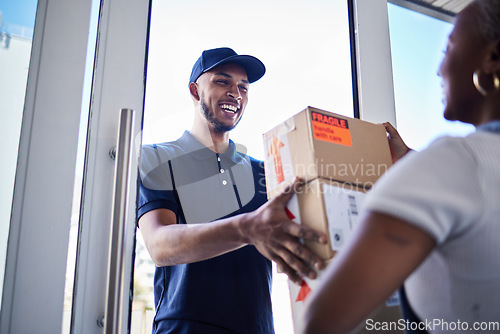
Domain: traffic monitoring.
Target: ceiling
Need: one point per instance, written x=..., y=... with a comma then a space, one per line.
x=443, y=9
x=453, y=6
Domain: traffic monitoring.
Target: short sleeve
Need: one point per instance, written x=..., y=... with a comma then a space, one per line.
x=437, y=190
x=155, y=186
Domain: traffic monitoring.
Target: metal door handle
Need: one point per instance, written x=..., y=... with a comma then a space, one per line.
x=114, y=302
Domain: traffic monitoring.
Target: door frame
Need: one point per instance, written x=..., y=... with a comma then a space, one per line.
x=373, y=61
x=119, y=79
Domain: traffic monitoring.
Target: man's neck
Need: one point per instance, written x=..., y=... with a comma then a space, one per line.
x=217, y=142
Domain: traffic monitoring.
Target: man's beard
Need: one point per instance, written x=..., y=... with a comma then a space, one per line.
x=210, y=117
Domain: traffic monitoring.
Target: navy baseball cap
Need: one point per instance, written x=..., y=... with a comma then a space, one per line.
x=210, y=58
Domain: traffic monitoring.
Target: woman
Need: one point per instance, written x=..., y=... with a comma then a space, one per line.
x=433, y=221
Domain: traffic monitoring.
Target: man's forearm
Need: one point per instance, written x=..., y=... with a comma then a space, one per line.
x=185, y=243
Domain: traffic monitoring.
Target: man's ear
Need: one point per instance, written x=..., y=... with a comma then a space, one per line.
x=193, y=89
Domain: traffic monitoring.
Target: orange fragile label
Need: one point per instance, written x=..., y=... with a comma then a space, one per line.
x=275, y=150
x=303, y=292
x=331, y=129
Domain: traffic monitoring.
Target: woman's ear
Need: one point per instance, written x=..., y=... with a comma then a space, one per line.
x=492, y=62
x=193, y=89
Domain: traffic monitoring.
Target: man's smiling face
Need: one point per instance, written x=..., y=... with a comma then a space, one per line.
x=223, y=93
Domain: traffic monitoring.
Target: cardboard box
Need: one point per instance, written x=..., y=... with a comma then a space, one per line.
x=340, y=158
x=334, y=208
x=328, y=206
x=325, y=149
x=318, y=144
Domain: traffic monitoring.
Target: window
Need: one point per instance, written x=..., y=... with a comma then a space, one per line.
x=417, y=41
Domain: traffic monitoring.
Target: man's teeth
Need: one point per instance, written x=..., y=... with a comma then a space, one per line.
x=229, y=108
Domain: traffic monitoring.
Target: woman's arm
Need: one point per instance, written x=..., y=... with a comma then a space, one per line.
x=374, y=264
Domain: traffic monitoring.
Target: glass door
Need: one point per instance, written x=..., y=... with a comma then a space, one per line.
x=47, y=168
x=305, y=47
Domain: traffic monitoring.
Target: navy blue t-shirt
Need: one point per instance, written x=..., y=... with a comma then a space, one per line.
x=230, y=293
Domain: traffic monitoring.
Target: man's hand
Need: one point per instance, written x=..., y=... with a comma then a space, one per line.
x=277, y=237
x=396, y=144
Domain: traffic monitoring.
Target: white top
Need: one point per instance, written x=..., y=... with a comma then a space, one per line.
x=452, y=191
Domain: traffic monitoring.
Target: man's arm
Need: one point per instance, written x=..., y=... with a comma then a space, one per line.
x=268, y=228
x=383, y=252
